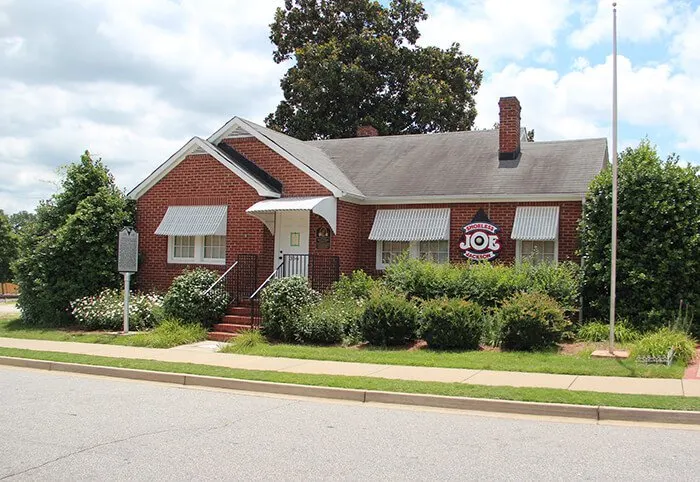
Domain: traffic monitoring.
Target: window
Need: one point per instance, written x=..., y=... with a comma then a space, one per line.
x=183, y=247
x=215, y=247
x=392, y=250
x=436, y=251
x=197, y=249
x=537, y=251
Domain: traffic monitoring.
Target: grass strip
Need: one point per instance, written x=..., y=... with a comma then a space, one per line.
x=538, y=362
x=547, y=395
x=167, y=336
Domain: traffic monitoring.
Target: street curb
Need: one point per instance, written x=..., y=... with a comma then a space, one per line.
x=587, y=412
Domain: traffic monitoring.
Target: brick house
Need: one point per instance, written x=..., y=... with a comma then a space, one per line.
x=317, y=208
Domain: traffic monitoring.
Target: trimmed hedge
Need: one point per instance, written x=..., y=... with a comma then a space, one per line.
x=389, y=319
x=531, y=321
x=451, y=324
x=105, y=310
x=485, y=283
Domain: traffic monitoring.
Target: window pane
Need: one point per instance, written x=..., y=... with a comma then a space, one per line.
x=392, y=249
x=435, y=251
x=215, y=247
x=183, y=247
x=538, y=251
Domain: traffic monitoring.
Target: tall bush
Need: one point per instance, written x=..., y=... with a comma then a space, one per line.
x=451, y=324
x=389, y=319
x=530, y=321
x=658, y=243
x=8, y=248
x=186, y=299
x=282, y=303
x=70, y=250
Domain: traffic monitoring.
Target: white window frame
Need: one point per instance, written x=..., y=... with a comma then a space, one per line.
x=413, y=252
x=519, y=249
x=198, y=253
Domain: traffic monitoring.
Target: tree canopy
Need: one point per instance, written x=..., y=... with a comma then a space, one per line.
x=70, y=250
x=357, y=63
x=8, y=247
x=659, y=239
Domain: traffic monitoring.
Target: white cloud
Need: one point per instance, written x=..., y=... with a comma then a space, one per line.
x=638, y=21
x=493, y=30
x=686, y=44
x=578, y=104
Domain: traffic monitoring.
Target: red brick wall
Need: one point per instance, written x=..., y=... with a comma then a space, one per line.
x=501, y=214
x=201, y=180
x=197, y=180
x=296, y=182
x=509, y=125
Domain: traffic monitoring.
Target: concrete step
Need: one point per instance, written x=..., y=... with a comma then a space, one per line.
x=230, y=327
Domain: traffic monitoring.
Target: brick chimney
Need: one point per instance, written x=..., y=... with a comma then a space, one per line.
x=509, y=129
x=367, y=131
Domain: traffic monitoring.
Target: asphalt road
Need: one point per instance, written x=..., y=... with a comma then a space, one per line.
x=56, y=426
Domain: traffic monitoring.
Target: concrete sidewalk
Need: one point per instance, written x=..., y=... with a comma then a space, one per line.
x=205, y=354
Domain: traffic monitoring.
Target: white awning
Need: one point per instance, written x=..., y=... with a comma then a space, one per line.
x=411, y=225
x=326, y=207
x=536, y=223
x=193, y=221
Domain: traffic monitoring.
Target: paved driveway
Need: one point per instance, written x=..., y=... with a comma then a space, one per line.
x=59, y=426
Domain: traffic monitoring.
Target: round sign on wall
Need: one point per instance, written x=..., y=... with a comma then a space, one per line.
x=481, y=239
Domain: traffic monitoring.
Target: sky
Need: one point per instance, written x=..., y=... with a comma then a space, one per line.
x=133, y=80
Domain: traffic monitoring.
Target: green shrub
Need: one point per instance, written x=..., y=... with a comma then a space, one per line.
x=659, y=248
x=358, y=285
x=186, y=299
x=660, y=342
x=560, y=281
x=282, y=303
x=451, y=324
x=330, y=321
x=486, y=283
x=600, y=332
x=490, y=284
x=531, y=321
x=423, y=279
x=389, y=319
x=105, y=311
x=245, y=340
x=173, y=332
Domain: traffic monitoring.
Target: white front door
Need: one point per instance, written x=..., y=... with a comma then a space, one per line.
x=292, y=237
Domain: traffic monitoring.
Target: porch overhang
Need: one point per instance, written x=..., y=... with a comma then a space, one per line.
x=326, y=207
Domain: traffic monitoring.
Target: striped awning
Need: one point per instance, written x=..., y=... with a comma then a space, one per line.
x=536, y=223
x=193, y=221
x=411, y=225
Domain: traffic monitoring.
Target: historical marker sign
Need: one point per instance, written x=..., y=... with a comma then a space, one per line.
x=128, y=252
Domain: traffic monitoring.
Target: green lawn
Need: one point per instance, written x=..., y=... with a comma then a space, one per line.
x=11, y=326
x=365, y=383
x=539, y=362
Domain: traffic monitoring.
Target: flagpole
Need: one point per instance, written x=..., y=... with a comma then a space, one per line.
x=613, y=248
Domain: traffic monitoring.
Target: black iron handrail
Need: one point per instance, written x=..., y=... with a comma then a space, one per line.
x=254, y=299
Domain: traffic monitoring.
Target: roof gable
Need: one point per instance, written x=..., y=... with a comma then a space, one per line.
x=197, y=145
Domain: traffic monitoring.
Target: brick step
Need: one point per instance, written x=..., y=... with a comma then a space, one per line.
x=230, y=327
x=237, y=319
x=220, y=336
x=238, y=310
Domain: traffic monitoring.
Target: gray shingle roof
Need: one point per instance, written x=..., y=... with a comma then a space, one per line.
x=310, y=155
x=457, y=164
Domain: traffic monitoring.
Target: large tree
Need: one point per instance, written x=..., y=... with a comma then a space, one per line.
x=659, y=239
x=70, y=250
x=8, y=248
x=357, y=63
